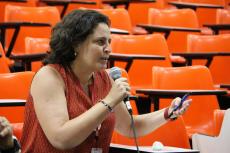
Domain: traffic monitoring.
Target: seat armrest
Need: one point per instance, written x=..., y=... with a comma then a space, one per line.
x=12, y=102
x=27, y=59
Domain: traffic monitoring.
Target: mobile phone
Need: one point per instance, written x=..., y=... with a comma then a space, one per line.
x=182, y=101
x=180, y=105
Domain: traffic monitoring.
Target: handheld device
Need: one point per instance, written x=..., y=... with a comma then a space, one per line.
x=181, y=103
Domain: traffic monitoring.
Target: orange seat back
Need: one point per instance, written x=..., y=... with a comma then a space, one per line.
x=170, y=134
x=119, y=18
x=17, y=130
x=36, y=45
x=30, y=14
x=206, y=15
x=141, y=44
x=223, y=16
x=14, y=86
x=73, y=6
x=214, y=43
x=214, y=2
x=138, y=11
x=18, y=3
x=218, y=119
x=176, y=18
x=199, y=117
x=3, y=61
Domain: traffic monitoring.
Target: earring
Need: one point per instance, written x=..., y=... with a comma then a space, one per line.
x=75, y=54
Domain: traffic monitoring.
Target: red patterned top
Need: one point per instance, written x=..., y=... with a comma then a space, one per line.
x=34, y=140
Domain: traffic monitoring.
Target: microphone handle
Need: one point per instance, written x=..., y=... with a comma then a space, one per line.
x=127, y=104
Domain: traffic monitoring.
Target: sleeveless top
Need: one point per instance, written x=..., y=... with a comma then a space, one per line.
x=33, y=138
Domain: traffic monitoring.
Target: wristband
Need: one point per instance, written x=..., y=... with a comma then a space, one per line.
x=109, y=107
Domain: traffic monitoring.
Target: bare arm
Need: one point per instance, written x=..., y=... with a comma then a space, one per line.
x=146, y=123
x=51, y=109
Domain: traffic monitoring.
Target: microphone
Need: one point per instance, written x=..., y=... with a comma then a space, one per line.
x=115, y=73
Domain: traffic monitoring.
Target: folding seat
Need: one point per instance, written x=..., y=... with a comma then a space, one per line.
x=139, y=11
x=222, y=22
x=199, y=116
x=36, y=45
x=206, y=15
x=14, y=86
x=30, y=14
x=3, y=61
x=170, y=134
x=227, y=2
x=140, y=70
x=18, y=3
x=218, y=120
x=223, y=16
x=17, y=130
x=118, y=15
x=98, y=4
x=141, y=44
x=219, y=66
x=209, y=144
x=182, y=18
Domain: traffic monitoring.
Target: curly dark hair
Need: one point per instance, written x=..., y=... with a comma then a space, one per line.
x=71, y=31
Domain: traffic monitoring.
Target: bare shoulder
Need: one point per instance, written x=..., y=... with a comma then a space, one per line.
x=46, y=78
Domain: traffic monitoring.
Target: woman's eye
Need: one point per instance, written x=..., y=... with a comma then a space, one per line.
x=100, y=42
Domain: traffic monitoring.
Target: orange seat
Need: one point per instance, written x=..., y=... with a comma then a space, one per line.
x=140, y=44
x=138, y=11
x=185, y=18
x=36, y=45
x=223, y=16
x=210, y=144
x=3, y=61
x=14, y=86
x=30, y=14
x=219, y=67
x=18, y=3
x=121, y=14
x=227, y=2
x=116, y=16
x=206, y=15
x=199, y=117
x=98, y=5
x=17, y=130
x=170, y=134
x=218, y=119
x=215, y=2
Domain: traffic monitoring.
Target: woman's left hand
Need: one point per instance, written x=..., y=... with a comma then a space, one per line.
x=181, y=110
x=6, y=138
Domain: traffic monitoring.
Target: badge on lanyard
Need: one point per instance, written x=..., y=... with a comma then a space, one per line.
x=96, y=149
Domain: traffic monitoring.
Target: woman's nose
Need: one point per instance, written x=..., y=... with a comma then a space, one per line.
x=108, y=48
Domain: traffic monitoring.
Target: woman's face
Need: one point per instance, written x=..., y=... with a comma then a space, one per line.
x=94, y=52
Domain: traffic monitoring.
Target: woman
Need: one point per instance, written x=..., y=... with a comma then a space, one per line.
x=69, y=109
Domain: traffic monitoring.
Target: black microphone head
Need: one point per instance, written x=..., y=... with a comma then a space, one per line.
x=115, y=73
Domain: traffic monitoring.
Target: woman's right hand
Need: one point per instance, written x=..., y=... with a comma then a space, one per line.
x=120, y=89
